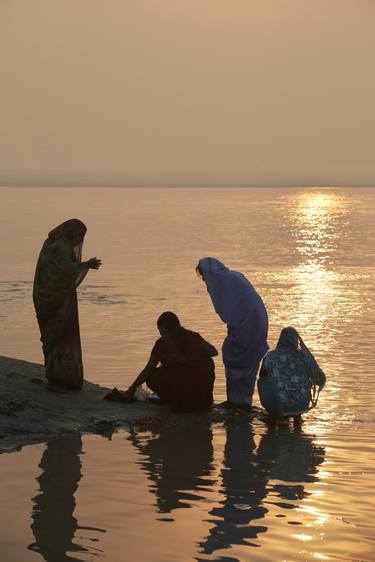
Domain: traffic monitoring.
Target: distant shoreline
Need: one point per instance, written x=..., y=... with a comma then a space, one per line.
x=104, y=178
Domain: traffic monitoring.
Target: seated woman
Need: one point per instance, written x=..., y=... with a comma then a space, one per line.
x=290, y=379
x=185, y=376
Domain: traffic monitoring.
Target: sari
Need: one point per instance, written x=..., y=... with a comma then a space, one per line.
x=290, y=377
x=58, y=273
x=186, y=387
x=290, y=341
x=239, y=305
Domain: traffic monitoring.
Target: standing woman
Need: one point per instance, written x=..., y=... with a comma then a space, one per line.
x=58, y=273
x=241, y=308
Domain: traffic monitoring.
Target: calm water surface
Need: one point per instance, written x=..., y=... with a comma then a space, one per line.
x=228, y=492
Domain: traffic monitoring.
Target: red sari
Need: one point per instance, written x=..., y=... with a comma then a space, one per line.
x=58, y=273
x=186, y=387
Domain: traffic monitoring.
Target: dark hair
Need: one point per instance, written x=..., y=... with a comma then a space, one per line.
x=289, y=338
x=170, y=321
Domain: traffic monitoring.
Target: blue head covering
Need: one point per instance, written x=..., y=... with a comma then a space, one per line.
x=231, y=293
x=238, y=304
x=290, y=340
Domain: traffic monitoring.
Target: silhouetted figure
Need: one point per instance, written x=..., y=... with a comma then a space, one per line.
x=185, y=376
x=58, y=273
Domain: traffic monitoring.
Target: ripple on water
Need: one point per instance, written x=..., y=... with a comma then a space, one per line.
x=231, y=492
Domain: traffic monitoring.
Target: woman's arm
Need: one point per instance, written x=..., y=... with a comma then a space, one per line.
x=141, y=378
x=209, y=348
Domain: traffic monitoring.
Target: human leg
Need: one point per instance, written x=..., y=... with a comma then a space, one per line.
x=158, y=383
x=240, y=385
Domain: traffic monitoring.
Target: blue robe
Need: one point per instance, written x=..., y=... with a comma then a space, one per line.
x=241, y=308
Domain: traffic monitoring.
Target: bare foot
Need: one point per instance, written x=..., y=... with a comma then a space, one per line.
x=297, y=420
x=228, y=405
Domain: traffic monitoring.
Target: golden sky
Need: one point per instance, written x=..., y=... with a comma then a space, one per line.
x=240, y=92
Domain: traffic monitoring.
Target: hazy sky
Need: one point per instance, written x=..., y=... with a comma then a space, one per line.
x=253, y=92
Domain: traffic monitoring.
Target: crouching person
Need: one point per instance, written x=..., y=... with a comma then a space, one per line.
x=290, y=379
x=180, y=369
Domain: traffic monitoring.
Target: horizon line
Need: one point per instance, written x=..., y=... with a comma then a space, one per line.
x=107, y=178
x=170, y=185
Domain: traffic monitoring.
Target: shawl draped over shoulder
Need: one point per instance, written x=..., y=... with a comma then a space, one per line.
x=58, y=273
x=239, y=305
x=291, y=342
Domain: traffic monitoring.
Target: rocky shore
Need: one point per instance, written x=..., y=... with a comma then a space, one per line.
x=29, y=413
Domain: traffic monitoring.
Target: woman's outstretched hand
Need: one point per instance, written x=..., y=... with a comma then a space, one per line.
x=94, y=263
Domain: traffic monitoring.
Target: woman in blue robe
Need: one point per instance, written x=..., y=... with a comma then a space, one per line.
x=241, y=308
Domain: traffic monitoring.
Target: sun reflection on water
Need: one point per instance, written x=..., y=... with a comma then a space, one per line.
x=314, y=291
x=320, y=517
x=316, y=215
x=302, y=537
x=313, y=222
x=314, y=294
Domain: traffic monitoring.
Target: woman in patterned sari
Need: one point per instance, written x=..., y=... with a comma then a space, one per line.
x=290, y=378
x=58, y=273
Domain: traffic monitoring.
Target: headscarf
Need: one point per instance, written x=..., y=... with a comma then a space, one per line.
x=232, y=295
x=59, y=271
x=68, y=229
x=291, y=340
x=72, y=232
x=238, y=304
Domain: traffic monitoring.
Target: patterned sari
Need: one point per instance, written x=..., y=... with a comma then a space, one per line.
x=290, y=377
x=58, y=273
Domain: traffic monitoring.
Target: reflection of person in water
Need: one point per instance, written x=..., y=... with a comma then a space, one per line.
x=178, y=463
x=295, y=457
x=53, y=523
x=243, y=487
x=283, y=454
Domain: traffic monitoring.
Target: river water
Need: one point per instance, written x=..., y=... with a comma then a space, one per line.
x=233, y=491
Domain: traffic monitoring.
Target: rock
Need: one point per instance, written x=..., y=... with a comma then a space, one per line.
x=105, y=426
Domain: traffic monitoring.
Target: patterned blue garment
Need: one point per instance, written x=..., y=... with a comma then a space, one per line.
x=289, y=375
